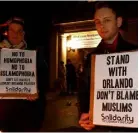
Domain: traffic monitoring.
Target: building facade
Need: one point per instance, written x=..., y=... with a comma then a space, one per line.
x=74, y=40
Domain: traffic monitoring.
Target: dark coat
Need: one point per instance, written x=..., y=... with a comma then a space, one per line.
x=84, y=94
x=23, y=115
x=70, y=73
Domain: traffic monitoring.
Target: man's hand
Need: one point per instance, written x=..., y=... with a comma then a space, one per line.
x=85, y=122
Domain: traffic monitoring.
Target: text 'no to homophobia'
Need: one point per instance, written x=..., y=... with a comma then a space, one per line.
x=17, y=73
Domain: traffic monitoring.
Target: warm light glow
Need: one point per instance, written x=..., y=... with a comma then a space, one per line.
x=88, y=39
x=64, y=48
x=73, y=44
x=5, y=33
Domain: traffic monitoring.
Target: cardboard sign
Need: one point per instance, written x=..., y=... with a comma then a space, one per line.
x=17, y=74
x=114, y=89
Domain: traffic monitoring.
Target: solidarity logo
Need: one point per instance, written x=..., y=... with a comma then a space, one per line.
x=117, y=119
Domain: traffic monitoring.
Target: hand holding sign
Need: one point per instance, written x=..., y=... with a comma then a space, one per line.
x=85, y=122
x=115, y=82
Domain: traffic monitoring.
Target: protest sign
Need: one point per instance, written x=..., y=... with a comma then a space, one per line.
x=17, y=73
x=114, y=89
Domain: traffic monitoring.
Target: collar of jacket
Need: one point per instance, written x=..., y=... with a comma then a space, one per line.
x=22, y=45
x=122, y=45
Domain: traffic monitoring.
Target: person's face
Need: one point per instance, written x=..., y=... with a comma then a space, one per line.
x=15, y=33
x=106, y=23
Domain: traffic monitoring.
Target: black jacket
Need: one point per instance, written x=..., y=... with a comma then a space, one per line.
x=27, y=115
x=84, y=93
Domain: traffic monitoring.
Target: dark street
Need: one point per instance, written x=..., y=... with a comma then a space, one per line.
x=58, y=114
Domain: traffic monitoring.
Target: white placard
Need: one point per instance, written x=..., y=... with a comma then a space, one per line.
x=18, y=72
x=116, y=90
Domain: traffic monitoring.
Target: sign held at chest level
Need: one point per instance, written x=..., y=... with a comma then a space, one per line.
x=114, y=89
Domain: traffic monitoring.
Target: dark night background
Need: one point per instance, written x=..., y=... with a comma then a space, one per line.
x=39, y=16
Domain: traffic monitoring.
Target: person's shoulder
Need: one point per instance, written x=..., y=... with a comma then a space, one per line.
x=5, y=44
x=96, y=50
x=130, y=46
x=1, y=44
x=125, y=45
x=87, y=60
x=93, y=52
